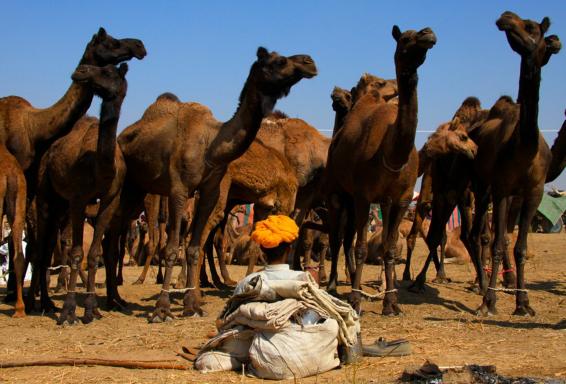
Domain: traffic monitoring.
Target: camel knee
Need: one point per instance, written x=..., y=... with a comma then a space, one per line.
x=520, y=256
x=192, y=255
x=360, y=255
x=76, y=257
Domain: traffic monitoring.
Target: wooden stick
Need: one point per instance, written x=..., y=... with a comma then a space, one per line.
x=133, y=364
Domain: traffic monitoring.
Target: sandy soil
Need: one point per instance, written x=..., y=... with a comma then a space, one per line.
x=440, y=325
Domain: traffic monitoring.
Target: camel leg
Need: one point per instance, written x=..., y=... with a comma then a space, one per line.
x=349, y=231
x=209, y=252
x=208, y=213
x=160, y=248
x=48, y=215
x=323, y=251
x=177, y=202
x=307, y=247
x=508, y=273
x=152, y=211
x=411, y=242
x=440, y=271
x=16, y=215
x=474, y=243
x=121, y=256
x=105, y=213
x=500, y=211
x=219, y=245
x=335, y=210
x=361, y=221
x=441, y=210
x=76, y=210
x=528, y=211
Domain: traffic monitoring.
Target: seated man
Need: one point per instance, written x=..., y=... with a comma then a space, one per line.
x=278, y=323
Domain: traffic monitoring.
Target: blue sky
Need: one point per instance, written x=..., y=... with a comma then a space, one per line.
x=202, y=51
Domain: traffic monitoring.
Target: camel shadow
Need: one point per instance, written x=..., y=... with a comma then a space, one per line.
x=555, y=287
x=561, y=325
x=429, y=296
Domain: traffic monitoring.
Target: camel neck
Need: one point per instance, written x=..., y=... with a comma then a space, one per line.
x=106, y=144
x=338, y=121
x=236, y=135
x=401, y=139
x=529, y=87
x=57, y=120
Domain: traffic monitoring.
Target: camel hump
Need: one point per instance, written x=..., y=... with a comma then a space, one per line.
x=168, y=96
x=15, y=101
x=504, y=108
x=193, y=107
x=472, y=102
x=277, y=115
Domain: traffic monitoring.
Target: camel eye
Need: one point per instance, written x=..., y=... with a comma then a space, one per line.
x=463, y=137
x=281, y=61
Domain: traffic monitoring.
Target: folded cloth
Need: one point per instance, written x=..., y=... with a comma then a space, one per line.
x=306, y=292
x=262, y=315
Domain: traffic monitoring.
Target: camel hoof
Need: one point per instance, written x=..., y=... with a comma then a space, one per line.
x=160, y=316
x=485, y=311
x=524, y=310
x=47, y=306
x=19, y=314
x=391, y=310
x=441, y=280
x=417, y=287
x=159, y=280
x=67, y=316
x=194, y=313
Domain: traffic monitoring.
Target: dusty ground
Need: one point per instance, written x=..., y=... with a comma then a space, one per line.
x=440, y=325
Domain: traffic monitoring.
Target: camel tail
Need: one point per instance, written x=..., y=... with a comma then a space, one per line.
x=558, y=155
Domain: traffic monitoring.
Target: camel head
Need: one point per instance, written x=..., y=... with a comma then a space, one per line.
x=341, y=100
x=380, y=89
x=274, y=74
x=108, y=82
x=450, y=138
x=526, y=37
x=412, y=47
x=103, y=49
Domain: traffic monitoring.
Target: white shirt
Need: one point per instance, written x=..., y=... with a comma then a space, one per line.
x=273, y=272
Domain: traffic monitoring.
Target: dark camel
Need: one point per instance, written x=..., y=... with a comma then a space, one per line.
x=558, y=155
x=261, y=176
x=13, y=202
x=445, y=160
x=177, y=148
x=513, y=158
x=27, y=132
x=79, y=168
x=373, y=159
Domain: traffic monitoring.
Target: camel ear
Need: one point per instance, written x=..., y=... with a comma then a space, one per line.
x=123, y=69
x=544, y=25
x=454, y=124
x=262, y=53
x=101, y=35
x=396, y=32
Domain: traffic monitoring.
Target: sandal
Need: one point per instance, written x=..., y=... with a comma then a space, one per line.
x=383, y=348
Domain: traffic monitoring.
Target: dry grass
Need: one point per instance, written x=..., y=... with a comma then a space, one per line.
x=440, y=325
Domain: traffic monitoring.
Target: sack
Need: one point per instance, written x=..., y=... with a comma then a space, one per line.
x=295, y=351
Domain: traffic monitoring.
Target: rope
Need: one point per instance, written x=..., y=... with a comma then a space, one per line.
x=182, y=290
x=489, y=270
x=392, y=169
x=370, y=297
x=508, y=289
x=58, y=267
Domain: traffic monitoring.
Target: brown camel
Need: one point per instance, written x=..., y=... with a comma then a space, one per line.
x=80, y=167
x=13, y=202
x=558, y=155
x=177, y=148
x=449, y=183
x=341, y=104
x=373, y=159
x=27, y=132
x=444, y=159
x=513, y=157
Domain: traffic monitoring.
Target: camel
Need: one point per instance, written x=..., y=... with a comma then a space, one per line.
x=27, y=132
x=558, y=155
x=261, y=176
x=80, y=167
x=513, y=158
x=13, y=202
x=177, y=148
x=373, y=158
x=445, y=160
x=341, y=104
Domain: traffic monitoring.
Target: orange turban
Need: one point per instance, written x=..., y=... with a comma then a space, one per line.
x=274, y=230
